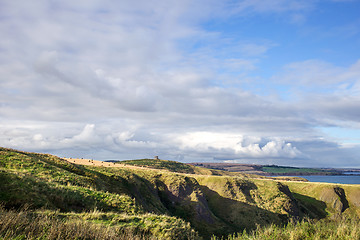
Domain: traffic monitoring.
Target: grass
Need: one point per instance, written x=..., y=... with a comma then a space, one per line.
x=174, y=202
x=290, y=170
x=326, y=194
x=27, y=224
x=344, y=229
x=17, y=190
x=123, y=200
x=161, y=164
x=173, y=166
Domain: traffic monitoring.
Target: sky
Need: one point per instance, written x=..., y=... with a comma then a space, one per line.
x=247, y=81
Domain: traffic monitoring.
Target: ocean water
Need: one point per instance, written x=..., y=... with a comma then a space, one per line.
x=348, y=179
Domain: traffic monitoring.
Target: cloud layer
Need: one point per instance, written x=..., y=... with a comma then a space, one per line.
x=122, y=80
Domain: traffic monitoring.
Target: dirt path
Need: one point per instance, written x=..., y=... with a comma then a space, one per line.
x=90, y=162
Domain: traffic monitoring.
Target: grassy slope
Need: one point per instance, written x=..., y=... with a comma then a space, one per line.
x=163, y=202
x=161, y=164
x=326, y=194
x=123, y=198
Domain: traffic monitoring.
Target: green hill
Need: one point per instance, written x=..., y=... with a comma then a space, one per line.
x=160, y=200
x=173, y=166
x=161, y=164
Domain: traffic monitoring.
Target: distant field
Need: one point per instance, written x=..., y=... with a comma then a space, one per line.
x=282, y=170
x=267, y=170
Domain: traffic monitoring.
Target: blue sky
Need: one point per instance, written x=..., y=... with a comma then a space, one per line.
x=248, y=81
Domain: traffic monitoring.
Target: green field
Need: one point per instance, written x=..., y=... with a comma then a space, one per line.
x=291, y=170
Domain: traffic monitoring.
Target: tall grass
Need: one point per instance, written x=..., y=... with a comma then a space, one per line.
x=46, y=224
x=342, y=229
x=24, y=224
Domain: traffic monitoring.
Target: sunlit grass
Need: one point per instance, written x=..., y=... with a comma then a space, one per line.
x=25, y=224
x=340, y=229
x=45, y=224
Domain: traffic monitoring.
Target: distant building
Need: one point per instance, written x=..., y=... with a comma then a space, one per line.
x=156, y=157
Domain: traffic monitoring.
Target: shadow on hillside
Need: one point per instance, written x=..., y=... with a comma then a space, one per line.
x=235, y=216
x=311, y=207
x=133, y=185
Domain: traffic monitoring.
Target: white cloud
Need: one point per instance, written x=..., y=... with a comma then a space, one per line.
x=114, y=80
x=235, y=146
x=86, y=137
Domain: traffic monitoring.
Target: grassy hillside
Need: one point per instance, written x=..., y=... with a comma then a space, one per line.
x=122, y=201
x=161, y=164
x=173, y=166
x=160, y=199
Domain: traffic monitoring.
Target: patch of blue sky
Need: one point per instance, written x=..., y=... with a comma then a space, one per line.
x=328, y=34
x=342, y=135
x=317, y=36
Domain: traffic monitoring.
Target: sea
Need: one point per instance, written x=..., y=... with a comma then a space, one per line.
x=342, y=179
